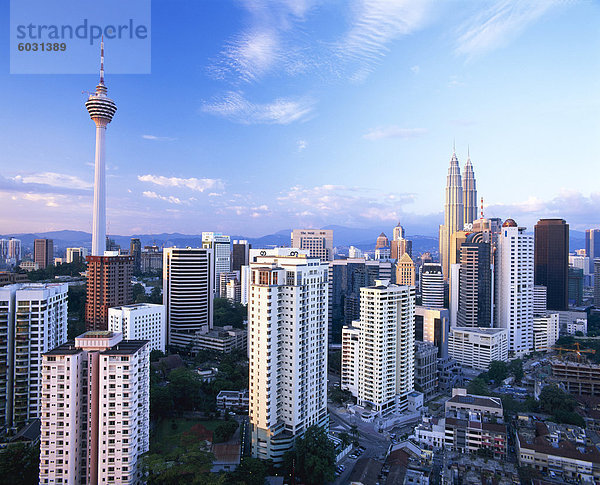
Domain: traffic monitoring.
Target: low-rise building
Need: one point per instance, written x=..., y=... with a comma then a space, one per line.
x=238, y=400
x=477, y=347
x=578, y=377
x=431, y=433
x=578, y=325
x=475, y=424
x=559, y=450
x=222, y=339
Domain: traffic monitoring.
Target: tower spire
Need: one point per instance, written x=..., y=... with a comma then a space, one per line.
x=102, y=61
x=454, y=145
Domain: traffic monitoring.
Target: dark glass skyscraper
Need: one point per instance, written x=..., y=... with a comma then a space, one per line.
x=552, y=261
x=592, y=246
x=135, y=250
x=475, y=289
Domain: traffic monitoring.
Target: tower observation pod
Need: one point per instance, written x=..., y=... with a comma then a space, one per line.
x=101, y=109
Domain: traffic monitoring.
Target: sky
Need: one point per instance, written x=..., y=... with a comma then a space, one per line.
x=271, y=114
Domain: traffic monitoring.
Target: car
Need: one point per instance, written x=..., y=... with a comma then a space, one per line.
x=341, y=467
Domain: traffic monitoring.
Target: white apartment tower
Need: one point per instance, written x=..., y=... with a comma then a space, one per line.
x=514, y=287
x=187, y=294
x=140, y=321
x=477, y=347
x=287, y=314
x=221, y=247
x=33, y=320
x=95, y=410
x=318, y=242
x=383, y=372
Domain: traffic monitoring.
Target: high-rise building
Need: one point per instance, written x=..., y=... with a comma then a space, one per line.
x=545, y=331
x=95, y=410
x=453, y=213
x=432, y=286
x=14, y=249
x=354, y=253
x=539, y=300
x=152, y=259
x=224, y=278
x=469, y=193
x=552, y=261
x=382, y=241
x=33, y=320
x=456, y=241
x=477, y=347
x=76, y=255
x=432, y=326
x=405, y=271
x=43, y=252
x=101, y=109
x=385, y=348
x=597, y=282
x=108, y=285
x=426, y=368
x=398, y=233
x=475, y=287
x=514, y=287
x=140, y=321
x=240, y=254
x=287, y=348
x=3, y=250
x=346, y=278
x=592, y=246
x=581, y=262
x=187, y=294
x=135, y=251
x=575, y=286
x=400, y=245
x=245, y=282
x=319, y=242
x=221, y=247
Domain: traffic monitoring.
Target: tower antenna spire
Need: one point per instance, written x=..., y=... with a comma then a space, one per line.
x=468, y=152
x=454, y=145
x=102, y=60
x=482, y=207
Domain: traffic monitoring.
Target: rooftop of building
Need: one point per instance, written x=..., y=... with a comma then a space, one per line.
x=137, y=306
x=234, y=394
x=125, y=347
x=226, y=453
x=68, y=348
x=480, y=330
x=566, y=441
x=474, y=400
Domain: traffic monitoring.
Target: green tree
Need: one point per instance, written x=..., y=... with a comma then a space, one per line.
x=553, y=399
x=345, y=439
x=66, y=269
x=314, y=457
x=251, y=471
x=478, y=387
x=161, y=402
x=19, y=464
x=224, y=431
x=155, y=355
x=156, y=296
x=139, y=293
x=498, y=371
x=515, y=367
x=182, y=465
x=226, y=312
x=184, y=388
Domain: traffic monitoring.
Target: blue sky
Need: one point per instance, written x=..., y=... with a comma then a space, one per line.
x=264, y=115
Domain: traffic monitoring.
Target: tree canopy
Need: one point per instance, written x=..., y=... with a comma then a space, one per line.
x=313, y=457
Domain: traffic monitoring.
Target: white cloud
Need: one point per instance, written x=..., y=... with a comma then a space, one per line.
x=301, y=145
x=158, y=138
x=170, y=199
x=394, y=132
x=415, y=69
x=54, y=179
x=281, y=111
x=498, y=24
x=47, y=200
x=199, y=185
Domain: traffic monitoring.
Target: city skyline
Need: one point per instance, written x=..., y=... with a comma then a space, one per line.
x=245, y=140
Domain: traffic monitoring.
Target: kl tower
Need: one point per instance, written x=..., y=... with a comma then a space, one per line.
x=101, y=109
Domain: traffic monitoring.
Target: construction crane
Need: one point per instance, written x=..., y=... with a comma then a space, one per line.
x=577, y=350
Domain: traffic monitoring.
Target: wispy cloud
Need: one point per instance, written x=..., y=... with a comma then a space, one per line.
x=375, y=25
x=158, y=138
x=45, y=183
x=415, y=69
x=282, y=111
x=199, y=185
x=170, y=199
x=301, y=145
x=394, y=132
x=498, y=24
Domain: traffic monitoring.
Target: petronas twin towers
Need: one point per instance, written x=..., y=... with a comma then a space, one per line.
x=460, y=207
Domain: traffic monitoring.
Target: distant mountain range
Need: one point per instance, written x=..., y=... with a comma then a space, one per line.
x=362, y=238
